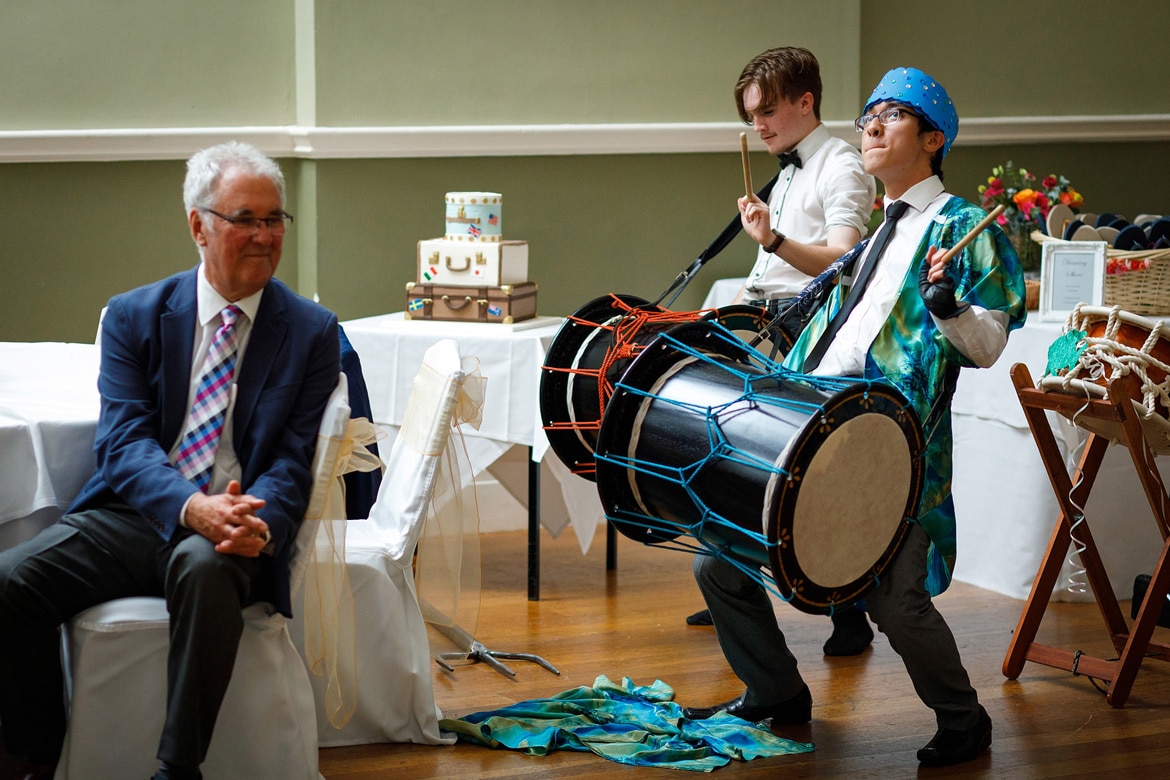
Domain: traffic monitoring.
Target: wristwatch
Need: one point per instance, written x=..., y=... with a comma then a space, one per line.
x=772, y=247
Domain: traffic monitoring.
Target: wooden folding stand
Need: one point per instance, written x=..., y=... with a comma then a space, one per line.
x=1117, y=416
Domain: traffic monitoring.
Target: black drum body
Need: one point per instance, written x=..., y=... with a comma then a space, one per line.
x=813, y=478
x=590, y=353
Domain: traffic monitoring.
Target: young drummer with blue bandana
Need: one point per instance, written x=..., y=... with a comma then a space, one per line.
x=915, y=322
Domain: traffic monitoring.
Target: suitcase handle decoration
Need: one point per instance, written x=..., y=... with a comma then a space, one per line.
x=456, y=306
x=466, y=264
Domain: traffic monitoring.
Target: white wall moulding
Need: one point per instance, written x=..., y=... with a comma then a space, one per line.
x=107, y=145
x=520, y=140
x=992, y=131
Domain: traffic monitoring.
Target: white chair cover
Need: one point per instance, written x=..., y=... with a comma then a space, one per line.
x=395, y=701
x=116, y=656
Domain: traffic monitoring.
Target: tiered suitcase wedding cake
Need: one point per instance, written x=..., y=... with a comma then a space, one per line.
x=471, y=274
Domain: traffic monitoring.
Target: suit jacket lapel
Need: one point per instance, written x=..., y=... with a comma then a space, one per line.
x=268, y=334
x=177, y=334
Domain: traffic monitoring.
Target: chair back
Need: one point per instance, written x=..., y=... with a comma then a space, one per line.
x=380, y=635
x=406, y=488
x=327, y=496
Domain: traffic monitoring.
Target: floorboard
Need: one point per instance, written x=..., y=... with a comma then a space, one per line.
x=867, y=721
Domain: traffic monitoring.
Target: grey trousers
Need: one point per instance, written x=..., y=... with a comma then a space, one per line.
x=900, y=606
x=95, y=556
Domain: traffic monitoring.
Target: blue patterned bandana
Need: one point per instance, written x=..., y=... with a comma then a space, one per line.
x=919, y=91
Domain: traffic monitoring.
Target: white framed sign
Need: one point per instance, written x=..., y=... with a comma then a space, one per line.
x=1071, y=272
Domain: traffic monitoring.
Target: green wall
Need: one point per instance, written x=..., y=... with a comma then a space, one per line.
x=74, y=233
x=1047, y=58
x=145, y=63
x=595, y=224
x=444, y=62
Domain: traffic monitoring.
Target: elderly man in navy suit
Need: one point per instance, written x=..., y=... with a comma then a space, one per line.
x=213, y=383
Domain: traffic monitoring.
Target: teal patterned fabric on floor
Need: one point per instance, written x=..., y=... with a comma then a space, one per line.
x=627, y=723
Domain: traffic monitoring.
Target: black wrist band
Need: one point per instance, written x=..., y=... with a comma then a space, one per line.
x=771, y=248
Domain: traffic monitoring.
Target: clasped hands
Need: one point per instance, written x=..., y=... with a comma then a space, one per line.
x=229, y=520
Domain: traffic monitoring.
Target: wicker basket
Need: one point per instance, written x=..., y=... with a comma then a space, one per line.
x=1143, y=291
x=1032, y=294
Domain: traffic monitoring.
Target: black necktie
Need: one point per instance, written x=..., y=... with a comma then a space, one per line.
x=789, y=158
x=893, y=213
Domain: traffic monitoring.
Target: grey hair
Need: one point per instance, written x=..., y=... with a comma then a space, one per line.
x=205, y=168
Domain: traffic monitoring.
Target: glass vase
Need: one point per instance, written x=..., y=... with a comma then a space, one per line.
x=1029, y=251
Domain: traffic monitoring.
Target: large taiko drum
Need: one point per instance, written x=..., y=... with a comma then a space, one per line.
x=707, y=445
x=592, y=349
x=1110, y=340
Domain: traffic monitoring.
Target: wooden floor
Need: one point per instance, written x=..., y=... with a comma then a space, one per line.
x=867, y=722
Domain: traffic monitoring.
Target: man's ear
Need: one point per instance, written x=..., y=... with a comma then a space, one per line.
x=933, y=141
x=198, y=226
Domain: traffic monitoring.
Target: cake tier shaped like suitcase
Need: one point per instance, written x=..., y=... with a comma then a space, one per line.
x=506, y=303
x=445, y=262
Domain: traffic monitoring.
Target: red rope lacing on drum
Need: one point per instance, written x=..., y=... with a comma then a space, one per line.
x=633, y=321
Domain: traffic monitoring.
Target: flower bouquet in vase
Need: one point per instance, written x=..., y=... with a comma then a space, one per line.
x=1026, y=203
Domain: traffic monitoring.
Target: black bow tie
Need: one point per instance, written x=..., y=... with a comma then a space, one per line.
x=789, y=158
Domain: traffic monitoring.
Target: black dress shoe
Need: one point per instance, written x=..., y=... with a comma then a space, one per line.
x=851, y=633
x=700, y=618
x=798, y=709
x=951, y=746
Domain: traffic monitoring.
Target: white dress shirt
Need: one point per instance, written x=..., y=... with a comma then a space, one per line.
x=210, y=303
x=830, y=190
x=979, y=334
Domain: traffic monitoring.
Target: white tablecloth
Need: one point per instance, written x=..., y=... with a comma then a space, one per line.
x=723, y=292
x=48, y=413
x=510, y=356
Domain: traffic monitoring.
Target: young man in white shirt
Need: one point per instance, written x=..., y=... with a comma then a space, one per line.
x=823, y=198
x=817, y=211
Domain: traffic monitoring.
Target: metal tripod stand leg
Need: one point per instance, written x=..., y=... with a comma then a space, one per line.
x=478, y=652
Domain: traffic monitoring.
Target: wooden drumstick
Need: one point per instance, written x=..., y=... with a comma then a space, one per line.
x=967, y=239
x=747, y=168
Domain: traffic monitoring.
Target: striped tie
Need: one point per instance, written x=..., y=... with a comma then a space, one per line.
x=205, y=422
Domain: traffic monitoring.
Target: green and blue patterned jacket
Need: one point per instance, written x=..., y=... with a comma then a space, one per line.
x=911, y=353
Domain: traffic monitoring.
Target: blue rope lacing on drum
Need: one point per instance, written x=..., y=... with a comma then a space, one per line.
x=758, y=369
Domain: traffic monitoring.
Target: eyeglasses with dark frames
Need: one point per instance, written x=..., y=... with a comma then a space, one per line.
x=275, y=224
x=888, y=116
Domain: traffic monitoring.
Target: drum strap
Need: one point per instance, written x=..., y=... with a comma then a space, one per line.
x=941, y=404
x=715, y=247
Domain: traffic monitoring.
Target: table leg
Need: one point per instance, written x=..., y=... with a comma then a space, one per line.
x=610, y=547
x=533, y=528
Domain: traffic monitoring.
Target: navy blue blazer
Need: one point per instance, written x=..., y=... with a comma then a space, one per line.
x=290, y=368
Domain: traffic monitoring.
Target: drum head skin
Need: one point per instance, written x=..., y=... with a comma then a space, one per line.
x=811, y=478
x=838, y=513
